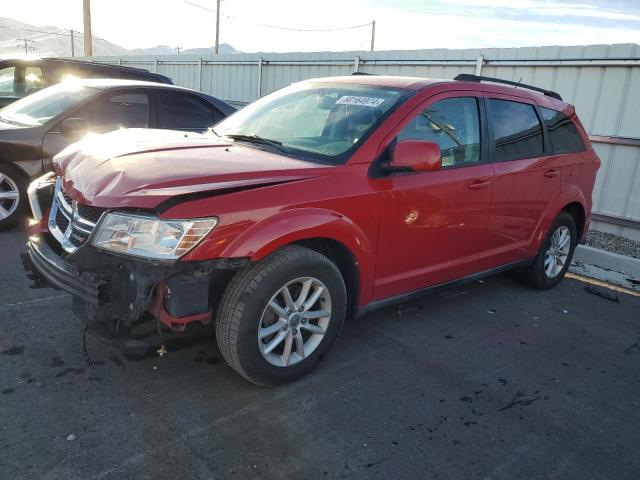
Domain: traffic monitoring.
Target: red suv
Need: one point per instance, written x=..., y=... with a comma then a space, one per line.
x=325, y=199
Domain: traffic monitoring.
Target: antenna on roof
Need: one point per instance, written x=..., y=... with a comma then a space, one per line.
x=518, y=83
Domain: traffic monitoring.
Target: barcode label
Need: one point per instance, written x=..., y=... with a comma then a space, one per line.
x=362, y=101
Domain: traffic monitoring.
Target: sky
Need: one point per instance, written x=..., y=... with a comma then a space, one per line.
x=400, y=24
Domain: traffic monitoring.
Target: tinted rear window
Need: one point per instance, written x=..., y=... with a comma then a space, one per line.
x=563, y=134
x=517, y=130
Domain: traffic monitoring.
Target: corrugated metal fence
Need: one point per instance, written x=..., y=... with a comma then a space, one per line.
x=602, y=81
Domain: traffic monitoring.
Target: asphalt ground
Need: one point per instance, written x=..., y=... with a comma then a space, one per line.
x=492, y=380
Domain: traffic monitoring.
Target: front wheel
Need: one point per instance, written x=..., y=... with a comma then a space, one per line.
x=554, y=256
x=279, y=317
x=13, y=193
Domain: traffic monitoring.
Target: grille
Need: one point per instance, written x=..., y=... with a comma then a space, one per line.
x=62, y=221
x=70, y=222
x=90, y=213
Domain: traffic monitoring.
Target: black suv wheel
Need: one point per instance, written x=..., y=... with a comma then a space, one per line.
x=13, y=196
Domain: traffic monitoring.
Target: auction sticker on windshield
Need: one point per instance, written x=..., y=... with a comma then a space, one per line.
x=362, y=101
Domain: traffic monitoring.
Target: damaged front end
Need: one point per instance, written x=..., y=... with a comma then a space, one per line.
x=113, y=288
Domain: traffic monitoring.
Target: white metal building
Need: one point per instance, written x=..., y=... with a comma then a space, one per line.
x=602, y=81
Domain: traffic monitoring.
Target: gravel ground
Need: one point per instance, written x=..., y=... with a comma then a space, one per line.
x=614, y=243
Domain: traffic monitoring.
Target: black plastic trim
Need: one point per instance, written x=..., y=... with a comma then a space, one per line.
x=408, y=297
x=467, y=77
x=40, y=259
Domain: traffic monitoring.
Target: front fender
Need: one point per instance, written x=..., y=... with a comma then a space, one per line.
x=289, y=226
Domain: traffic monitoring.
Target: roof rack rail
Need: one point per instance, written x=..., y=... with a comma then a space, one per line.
x=467, y=77
x=361, y=73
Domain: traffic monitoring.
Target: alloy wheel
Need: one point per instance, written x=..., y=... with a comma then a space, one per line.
x=294, y=321
x=558, y=252
x=9, y=196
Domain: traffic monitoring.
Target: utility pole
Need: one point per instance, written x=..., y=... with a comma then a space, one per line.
x=86, y=14
x=217, y=27
x=373, y=34
x=24, y=43
x=178, y=49
x=73, y=50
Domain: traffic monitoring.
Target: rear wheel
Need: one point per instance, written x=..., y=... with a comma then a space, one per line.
x=278, y=318
x=13, y=192
x=554, y=256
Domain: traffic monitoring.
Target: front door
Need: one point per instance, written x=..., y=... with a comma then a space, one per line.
x=108, y=112
x=434, y=223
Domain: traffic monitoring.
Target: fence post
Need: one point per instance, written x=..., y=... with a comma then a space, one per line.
x=119, y=61
x=200, y=74
x=356, y=64
x=259, y=77
x=155, y=65
x=479, y=63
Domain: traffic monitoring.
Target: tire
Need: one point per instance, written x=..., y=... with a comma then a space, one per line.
x=12, y=182
x=245, y=312
x=537, y=274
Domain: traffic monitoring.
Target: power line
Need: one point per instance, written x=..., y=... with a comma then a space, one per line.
x=279, y=27
x=293, y=29
x=36, y=31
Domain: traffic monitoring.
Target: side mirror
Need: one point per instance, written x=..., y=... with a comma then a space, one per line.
x=416, y=156
x=71, y=127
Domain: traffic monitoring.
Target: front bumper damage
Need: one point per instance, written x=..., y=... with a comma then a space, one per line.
x=118, y=290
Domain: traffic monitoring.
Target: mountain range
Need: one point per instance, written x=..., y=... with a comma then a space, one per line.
x=46, y=41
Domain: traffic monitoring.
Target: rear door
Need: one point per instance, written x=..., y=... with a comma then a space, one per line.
x=526, y=179
x=185, y=111
x=8, y=83
x=434, y=223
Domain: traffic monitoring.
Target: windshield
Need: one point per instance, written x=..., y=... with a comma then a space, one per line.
x=42, y=106
x=323, y=121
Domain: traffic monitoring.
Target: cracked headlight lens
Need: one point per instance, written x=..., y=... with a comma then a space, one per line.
x=151, y=237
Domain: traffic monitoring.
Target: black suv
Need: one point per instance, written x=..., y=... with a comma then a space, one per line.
x=19, y=78
x=35, y=128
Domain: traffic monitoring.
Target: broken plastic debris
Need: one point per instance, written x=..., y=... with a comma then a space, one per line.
x=162, y=350
x=602, y=293
x=71, y=437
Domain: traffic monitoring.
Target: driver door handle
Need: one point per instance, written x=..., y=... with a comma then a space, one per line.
x=479, y=184
x=552, y=173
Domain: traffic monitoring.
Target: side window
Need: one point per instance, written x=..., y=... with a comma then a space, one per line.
x=180, y=111
x=8, y=81
x=118, y=110
x=517, y=130
x=33, y=79
x=563, y=134
x=454, y=124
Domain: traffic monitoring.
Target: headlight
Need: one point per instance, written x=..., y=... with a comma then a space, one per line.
x=150, y=237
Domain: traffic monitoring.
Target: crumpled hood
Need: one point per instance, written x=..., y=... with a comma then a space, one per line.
x=143, y=167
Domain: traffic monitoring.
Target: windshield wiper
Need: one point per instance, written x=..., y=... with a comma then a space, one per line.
x=8, y=120
x=253, y=138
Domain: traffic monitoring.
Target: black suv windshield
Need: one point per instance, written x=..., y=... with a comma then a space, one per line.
x=42, y=106
x=320, y=121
